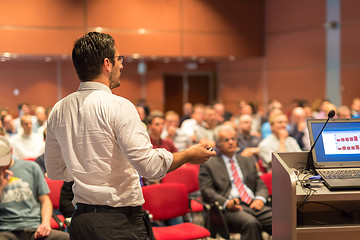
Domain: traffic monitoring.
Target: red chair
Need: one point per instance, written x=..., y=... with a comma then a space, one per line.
x=261, y=166
x=169, y=200
x=267, y=178
x=189, y=176
x=57, y=221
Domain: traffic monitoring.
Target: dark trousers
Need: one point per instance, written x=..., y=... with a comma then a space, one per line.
x=249, y=222
x=29, y=233
x=95, y=222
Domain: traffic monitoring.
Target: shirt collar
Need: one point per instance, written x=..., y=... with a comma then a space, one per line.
x=226, y=158
x=91, y=85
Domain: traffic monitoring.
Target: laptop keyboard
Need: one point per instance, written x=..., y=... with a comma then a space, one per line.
x=340, y=173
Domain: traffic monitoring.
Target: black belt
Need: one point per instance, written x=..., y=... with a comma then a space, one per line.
x=86, y=208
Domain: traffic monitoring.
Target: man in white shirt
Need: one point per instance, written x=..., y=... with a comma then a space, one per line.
x=27, y=144
x=172, y=131
x=278, y=141
x=189, y=126
x=97, y=140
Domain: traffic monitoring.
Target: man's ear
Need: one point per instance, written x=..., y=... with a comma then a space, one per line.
x=107, y=65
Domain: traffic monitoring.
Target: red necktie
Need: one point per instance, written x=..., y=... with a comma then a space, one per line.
x=244, y=196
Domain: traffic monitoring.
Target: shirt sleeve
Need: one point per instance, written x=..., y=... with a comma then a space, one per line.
x=134, y=142
x=54, y=162
x=265, y=152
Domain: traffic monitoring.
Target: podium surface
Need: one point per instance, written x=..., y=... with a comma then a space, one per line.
x=324, y=214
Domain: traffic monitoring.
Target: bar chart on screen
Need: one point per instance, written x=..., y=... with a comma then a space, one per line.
x=341, y=142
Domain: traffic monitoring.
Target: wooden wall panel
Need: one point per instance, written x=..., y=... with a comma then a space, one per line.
x=240, y=80
x=35, y=87
x=38, y=42
x=296, y=49
x=160, y=15
x=223, y=45
x=43, y=13
x=350, y=38
x=69, y=80
x=287, y=15
x=350, y=10
x=219, y=16
x=350, y=83
x=286, y=85
x=160, y=44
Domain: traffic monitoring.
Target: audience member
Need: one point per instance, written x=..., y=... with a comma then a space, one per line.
x=222, y=114
x=323, y=109
x=24, y=109
x=298, y=128
x=247, y=142
x=142, y=102
x=266, y=127
x=204, y=133
x=233, y=181
x=187, y=110
x=343, y=112
x=142, y=114
x=27, y=144
x=40, y=114
x=41, y=159
x=25, y=206
x=155, y=128
x=189, y=126
x=172, y=131
x=355, y=108
x=8, y=124
x=278, y=141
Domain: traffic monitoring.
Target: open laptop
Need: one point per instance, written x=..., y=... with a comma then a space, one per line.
x=336, y=154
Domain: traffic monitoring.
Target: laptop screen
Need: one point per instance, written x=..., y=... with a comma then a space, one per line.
x=338, y=144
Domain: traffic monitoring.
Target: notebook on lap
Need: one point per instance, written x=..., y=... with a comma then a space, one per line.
x=336, y=154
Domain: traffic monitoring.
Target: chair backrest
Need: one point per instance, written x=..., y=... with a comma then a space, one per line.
x=267, y=178
x=165, y=200
x=261, y=166
x=55, y=189
x=186, y=175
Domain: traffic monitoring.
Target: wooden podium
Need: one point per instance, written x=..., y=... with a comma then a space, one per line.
x=328, y=215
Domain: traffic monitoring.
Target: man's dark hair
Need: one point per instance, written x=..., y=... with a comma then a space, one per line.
x=152, y=117
x=89, y=53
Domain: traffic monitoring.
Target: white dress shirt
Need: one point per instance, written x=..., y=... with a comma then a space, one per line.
x=97, y=140
x=27, y=146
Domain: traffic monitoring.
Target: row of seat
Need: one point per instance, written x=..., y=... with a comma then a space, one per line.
x=173, y=197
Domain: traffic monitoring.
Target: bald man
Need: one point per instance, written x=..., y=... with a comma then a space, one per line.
x=298, y=128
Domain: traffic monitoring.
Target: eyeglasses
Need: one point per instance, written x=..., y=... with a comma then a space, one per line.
x=120, y=58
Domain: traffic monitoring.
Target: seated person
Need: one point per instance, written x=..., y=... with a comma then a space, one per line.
x=247, y=142
x=233, y=181
x=189, y=126
x=8, y=124
x=204, y=134
x=298, y=128
x=27, y=144
x=155, y=128
x=172, y=131
x=278, y=141
x=25, y=206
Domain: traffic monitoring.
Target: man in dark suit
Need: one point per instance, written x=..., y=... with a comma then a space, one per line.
x=233, y=181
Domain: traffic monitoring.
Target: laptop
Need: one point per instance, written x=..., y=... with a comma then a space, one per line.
x=336, y=154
